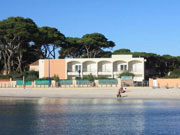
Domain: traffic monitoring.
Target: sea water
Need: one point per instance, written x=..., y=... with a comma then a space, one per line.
x=69, y=116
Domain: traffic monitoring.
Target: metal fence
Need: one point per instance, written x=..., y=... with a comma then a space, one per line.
x=21, y=82
x=66, y=82
x=82, y=82
x=43, y=82
x=108, y=81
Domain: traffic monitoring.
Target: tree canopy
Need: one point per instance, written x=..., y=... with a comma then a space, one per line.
x=49, y=40
x=72, y=48
x=89, y=46
x=15, y=35
x=122, y=51
x=94, y=44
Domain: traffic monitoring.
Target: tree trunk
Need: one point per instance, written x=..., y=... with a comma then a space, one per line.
x=5, y=62
x=87, y=51
x=19, y=58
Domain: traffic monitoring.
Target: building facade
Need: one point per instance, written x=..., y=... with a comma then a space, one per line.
x=78, y=67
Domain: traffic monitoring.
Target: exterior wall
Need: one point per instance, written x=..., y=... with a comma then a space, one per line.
x=41, y=68
x=89, y=67
x=55, y=67
x=150, y=82
x=165, y=82
x=35, y=68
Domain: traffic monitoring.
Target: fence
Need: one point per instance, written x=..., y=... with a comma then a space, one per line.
x=21, y=82
x=43, y=82
x=66, y=83
x=63, y=83
x=83, y=82
x=108, y=82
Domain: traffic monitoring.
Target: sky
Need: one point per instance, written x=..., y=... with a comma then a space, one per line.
x=139, y=25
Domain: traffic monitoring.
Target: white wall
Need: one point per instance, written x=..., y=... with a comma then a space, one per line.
x=104, y=66
x=136, y=66
x=71, y=66
x=89, y=67
x=117, y=65
x=138, y=78
x=41, y=68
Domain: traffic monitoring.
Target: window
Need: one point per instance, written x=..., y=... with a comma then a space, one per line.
x=77, y=68
x=123, y=67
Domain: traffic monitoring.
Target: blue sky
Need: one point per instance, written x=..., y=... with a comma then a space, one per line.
x=139, y=25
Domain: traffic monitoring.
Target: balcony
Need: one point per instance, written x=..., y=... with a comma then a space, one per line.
x=136, y=72
x=88, y=73
x=104, y=73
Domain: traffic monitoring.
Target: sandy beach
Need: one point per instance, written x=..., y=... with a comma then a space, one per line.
x=132, y=93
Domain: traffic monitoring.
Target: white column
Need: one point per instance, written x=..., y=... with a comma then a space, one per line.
x=112, y=73
x=143, y=68
x=97, y=69
x=127, y=66
x=82, y=70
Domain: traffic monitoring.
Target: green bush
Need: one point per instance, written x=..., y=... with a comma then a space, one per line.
x=174, y=74
x=89, y=77
x=56, y=78
x=16, y=76
x=4, y=76
x=31, y=78
x=29, y=75
x=46, y=78
x=126, y=74
x=101, y=77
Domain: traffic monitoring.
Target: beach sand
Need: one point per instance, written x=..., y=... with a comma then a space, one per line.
x=132, y=93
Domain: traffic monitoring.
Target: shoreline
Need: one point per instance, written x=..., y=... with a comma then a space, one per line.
x=133, y=93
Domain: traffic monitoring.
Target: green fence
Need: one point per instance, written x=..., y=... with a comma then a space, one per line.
x=42, y=82
x=108, y=81
x=82, y=82
x=66, y=82
x=20, y=82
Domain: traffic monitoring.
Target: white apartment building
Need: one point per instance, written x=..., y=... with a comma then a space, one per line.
x=109, y=67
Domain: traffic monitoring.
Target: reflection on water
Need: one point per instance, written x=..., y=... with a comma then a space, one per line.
x=67, y=116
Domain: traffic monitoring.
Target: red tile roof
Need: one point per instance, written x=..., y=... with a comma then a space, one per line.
x=36, y=63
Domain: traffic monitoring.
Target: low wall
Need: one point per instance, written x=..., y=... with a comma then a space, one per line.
x=5, y=80
x=127, y=82
x=164, y=82
x=16, y=84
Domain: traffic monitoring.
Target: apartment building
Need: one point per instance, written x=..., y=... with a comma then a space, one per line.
x=78, y=67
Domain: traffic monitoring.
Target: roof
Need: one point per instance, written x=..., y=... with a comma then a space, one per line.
x=36, y=63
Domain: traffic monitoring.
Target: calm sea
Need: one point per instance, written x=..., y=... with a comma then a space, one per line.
x=67, y=116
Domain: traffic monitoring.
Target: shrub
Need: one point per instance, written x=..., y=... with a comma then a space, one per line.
x=4, y=76
x=102, y=77
x=31, y=78
x=89, y=77
x=29, y=75
x=56, y=78
x=46, y=78
x=174, y=74
x=15, y=75
x=126, y=74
